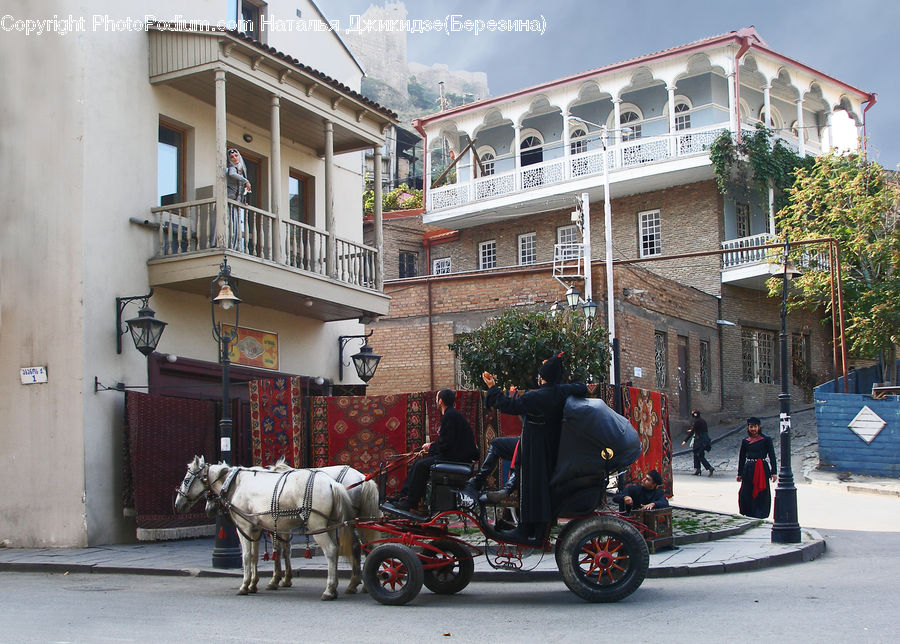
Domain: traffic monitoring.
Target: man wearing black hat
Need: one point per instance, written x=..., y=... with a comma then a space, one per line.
x=700, y=443
x=542, y=409
x=755, y=471
x=646, y=496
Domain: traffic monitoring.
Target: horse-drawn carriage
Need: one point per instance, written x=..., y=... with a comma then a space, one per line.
x=601, y=555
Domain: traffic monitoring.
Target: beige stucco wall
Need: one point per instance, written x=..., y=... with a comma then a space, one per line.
x=79, y=142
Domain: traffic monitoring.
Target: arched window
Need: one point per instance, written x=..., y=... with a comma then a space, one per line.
x=578, y=140
x=682, y=116
x=630, y=118
x=487, y=156
x=531, y=149
x=775, y=120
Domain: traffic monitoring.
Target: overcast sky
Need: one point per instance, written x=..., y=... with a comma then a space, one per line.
x=854, y=42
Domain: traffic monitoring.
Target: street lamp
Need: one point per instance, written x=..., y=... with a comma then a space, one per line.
x=785, y=529
x=365, y=362
x=145, y=329
x=227, y=549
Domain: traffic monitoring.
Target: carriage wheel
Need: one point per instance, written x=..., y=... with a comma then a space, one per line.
x=455, y=574
x=393, y=574
x=603, y=559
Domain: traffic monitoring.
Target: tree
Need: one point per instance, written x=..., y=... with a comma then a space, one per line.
x=858, y=203
x=513, y=345
x=400, y=198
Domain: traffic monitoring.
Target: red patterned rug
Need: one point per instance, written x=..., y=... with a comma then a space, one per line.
x=277, y=421
x=366, y=431
x=648, y=412
x=163, y=435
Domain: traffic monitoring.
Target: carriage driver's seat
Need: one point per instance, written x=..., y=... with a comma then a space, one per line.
x=446, y=479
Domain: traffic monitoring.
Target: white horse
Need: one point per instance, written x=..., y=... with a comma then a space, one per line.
x=279, y=502
x=364, y=497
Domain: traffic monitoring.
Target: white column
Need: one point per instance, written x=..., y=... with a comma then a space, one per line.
x=426, y=172
x=377, y=223
x=517, y=150
x=617, y=126
x=586, y=240
x=221, y=184
x=331, y=249
x=732, y=114
x=767, y=105
x=567, y=146
x=829, y=132
x=672, y=142
x=275, y=182
x=801, y=133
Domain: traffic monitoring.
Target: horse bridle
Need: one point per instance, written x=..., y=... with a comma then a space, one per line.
x=188, y=482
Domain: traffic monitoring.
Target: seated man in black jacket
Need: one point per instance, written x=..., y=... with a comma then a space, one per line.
x=455, y=444
x=646, y=496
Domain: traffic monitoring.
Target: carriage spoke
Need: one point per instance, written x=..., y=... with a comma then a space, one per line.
x=601, y=559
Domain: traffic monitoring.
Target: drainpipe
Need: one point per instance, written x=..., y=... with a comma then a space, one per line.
x=745, y=45
x=721, y=356
x=427, y=243
x=870, y=101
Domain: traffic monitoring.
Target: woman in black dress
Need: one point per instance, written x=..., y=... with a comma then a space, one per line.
x=755, y=472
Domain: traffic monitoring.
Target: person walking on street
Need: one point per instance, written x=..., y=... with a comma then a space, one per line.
x=543, y=412
x=698, y=434
x=755, y=471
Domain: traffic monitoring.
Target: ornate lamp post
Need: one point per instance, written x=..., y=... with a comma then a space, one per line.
x=786, y=529
x=227, y=550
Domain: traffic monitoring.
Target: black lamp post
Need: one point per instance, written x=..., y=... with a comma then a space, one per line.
x=786, y=529
x=227, y=549
x=365, y=362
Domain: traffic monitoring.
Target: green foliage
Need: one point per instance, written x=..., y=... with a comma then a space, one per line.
x=858, y=203
x=400, y=198
x=755, y=163
x=513, y=346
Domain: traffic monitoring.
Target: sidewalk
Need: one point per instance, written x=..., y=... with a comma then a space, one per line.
x=710, y=553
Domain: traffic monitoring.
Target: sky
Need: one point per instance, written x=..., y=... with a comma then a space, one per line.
x=854, y=42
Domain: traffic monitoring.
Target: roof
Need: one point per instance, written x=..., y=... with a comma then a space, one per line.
x=747, y=34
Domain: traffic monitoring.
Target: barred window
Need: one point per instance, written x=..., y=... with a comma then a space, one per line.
x=758, y=355
x=441, y=266
x=705, y=381
x=742, y=220
x=409, y=262
x=660, y=358
x=487, y=254
x=650, y=227
x=799, y=358
x=527, y=248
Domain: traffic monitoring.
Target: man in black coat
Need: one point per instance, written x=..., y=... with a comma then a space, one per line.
x=700, y=443
x=543, y=411
x=646, y=496
x=455, y=444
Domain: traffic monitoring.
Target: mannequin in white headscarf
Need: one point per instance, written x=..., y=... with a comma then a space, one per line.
x=238, y=187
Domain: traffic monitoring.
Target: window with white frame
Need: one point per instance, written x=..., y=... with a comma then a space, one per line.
x=651, y=241
x=568, y=239
x=487, y=254
x=758, y=355
x=441, y=266
x=527, y=248
x=578, y=140
x=682, y=116
x=531, y=147
x=630, y=118
x=487, y=156
x=775, y=120
x=742, y=220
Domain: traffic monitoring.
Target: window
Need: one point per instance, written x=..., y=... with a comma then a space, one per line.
x=758, y=355
x=301, y=198
x=170, y=165
x=487, y=254
x=409, y=264
x=578, y=140
x=487, y=156
x=245, y=16
x=630, y=118
x=531, y=149
x=568, y=240
x=682, y=118
x=775, y=120
x=660, y=358
x=742, y=220
x=441, y=266
x=527, y=248
x=705, y=380
x=651, y=244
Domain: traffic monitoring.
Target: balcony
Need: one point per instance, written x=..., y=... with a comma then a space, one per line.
x=284, y=268
x=639, y=165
